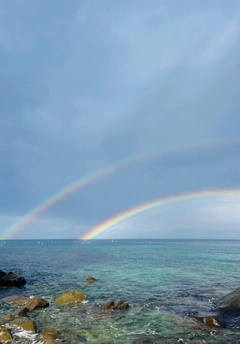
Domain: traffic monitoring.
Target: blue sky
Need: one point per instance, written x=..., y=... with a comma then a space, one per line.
x=86, y=84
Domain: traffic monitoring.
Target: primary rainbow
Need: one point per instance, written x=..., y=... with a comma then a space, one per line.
x=90, y=179
x=153, y=204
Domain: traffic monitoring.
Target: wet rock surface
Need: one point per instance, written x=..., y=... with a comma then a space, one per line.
x=11, y=280
x=25, y=324
x=71, y=298
x=116, y=305
x=5, y=335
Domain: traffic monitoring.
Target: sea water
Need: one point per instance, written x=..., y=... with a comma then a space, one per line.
x=166, y=283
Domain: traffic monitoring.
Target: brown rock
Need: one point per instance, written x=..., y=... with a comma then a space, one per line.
x=25, y=324
x=118, y=305
x=109, y=305
x=123, y=306
x=36, y=303
x=214, y=320
x=71, y=298
x=5, y=335
x=30, y=303
x=23, y=312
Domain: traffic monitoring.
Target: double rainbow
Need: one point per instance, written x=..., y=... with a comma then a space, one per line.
x=65, y=192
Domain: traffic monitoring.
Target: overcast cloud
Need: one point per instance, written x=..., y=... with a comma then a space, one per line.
x=87, y=84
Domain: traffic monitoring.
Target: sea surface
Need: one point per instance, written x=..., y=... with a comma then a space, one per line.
x=165, y=282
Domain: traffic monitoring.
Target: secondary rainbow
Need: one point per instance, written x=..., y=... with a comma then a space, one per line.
x=92, y=178
x=153, y=204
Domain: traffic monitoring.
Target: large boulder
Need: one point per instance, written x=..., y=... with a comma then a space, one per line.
x=230, y=301
x=11, y=280
x=72, y=298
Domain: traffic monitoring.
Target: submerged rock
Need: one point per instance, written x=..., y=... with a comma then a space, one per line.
x=7, y=318
x=48, y=333
x=114, y=305
x=72, y=298
x=90, y=280
x=11, y=280
x=5, y=335
x=25, y=324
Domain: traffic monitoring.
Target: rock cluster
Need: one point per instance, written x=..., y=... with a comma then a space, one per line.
x=26, y=305
x=11, y=280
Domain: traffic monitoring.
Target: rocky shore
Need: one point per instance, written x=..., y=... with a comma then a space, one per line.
x=22, y=318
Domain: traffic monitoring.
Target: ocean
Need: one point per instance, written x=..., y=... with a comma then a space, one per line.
x=165, y=282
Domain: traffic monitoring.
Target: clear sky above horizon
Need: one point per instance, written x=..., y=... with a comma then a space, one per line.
x=89, y=84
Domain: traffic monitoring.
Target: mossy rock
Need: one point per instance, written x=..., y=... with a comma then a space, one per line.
x=5, y=335
x=72, y=298
x=25, y=324
x=48, y=333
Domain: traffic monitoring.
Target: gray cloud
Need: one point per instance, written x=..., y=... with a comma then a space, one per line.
x=86, y=84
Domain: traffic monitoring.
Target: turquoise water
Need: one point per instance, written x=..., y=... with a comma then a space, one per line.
x=165, y=282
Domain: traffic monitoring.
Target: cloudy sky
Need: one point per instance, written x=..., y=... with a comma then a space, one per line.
x=85, y=85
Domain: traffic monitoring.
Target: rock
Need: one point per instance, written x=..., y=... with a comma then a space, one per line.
x=230, y=301
x=36, y=303
x=30, y=303
x=118, y=305
x=214, y=320
x=109, y=305
x=48, y=333
x=123, y=306
x=15, y=300
x=90, y=280
x=11, y=280
x=8, y=318
x=25, y=324
x=5, y=335
x=71, y=298
x=23, y=312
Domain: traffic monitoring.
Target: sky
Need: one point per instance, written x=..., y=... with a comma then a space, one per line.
x=86, y=85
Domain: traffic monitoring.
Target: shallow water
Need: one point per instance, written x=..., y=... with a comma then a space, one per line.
x=164, y=281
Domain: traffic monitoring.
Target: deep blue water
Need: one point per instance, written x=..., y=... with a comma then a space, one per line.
x=164, y=281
